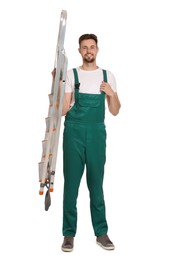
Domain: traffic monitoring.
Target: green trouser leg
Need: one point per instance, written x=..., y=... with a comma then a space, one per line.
x=84, y=144
x=95, y=161
x=74, y=161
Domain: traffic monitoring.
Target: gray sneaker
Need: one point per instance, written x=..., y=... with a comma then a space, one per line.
x=68, y=244
x=105, y=242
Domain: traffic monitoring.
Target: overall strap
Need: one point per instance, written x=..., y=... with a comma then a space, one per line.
x=105, y=80
x=77, y=84
x=104, y=75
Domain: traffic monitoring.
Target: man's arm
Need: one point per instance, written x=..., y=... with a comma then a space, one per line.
x=112, y=98
x=67, y=97
x=66, y=104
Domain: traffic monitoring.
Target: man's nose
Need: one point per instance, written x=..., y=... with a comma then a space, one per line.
x=88, y=50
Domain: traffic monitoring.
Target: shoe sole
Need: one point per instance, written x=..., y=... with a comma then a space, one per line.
x=106, y=247
x=67, y=249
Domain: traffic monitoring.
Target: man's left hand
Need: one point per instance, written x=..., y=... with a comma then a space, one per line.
x=105, y=87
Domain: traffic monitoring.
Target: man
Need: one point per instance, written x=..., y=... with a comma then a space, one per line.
x=84, y=142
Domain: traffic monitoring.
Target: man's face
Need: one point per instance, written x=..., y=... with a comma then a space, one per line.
x=88, y=50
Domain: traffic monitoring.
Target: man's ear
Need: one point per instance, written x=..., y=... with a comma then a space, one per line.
x=79, y=50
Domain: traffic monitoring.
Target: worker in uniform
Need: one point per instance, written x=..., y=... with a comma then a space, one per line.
x=84, y=140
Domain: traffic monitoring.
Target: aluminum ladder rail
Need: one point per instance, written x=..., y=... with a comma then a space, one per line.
x=47, y=165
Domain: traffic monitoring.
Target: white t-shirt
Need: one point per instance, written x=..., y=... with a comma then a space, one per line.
x=90, y=81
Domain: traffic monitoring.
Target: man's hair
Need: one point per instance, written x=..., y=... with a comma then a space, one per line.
x=88, y=36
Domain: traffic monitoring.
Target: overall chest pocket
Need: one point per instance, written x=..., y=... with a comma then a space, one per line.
x=89, y=100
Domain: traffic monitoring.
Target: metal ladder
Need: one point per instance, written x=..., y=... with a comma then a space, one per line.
x=47, y=165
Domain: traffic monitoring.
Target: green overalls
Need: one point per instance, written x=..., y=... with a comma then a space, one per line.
x=84, y=144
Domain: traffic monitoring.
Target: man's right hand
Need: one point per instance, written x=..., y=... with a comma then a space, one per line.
x=53, y=73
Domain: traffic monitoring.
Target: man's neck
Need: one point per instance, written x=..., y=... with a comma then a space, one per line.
x=89, y=66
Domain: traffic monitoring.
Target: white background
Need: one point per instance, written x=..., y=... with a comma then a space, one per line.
x=134, y=41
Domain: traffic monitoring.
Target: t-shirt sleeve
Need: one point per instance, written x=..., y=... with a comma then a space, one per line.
x=69, y=86
x=111, y=80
